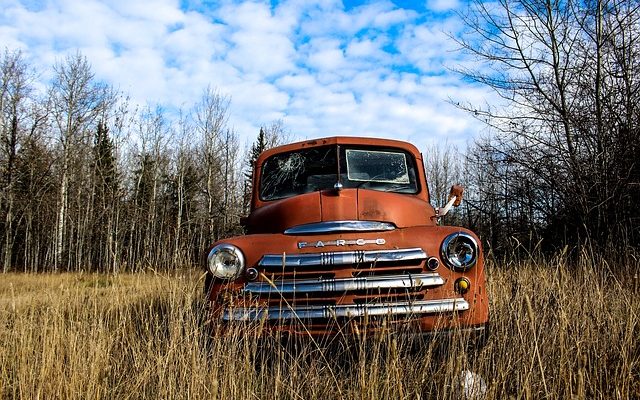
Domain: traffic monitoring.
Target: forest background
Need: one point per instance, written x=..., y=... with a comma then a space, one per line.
x=91, y=182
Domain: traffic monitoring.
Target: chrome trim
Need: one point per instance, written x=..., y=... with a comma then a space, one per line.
x=406, y=281
x=341, y=257
x=339, y=226
x=451, y=263
x=433, y=263
x=231, y=249
x=348, y=311
x=342, y=243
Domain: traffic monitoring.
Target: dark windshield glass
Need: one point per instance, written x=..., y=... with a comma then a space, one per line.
x=298, y=172
x=310, y=170
x=376, y=166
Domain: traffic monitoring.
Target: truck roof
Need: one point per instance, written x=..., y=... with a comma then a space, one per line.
x=334, y=140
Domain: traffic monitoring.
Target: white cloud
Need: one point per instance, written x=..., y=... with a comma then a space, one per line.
x=322, y=69
x=197, y=39
x=442, y=5
x=325, y=55
x=368, y=48
x=429, y=48
x=385, y=19
x=260, y=41
x=297, y=83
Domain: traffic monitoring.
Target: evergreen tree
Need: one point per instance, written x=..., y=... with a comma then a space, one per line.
x=104, y=194
x=257, y=148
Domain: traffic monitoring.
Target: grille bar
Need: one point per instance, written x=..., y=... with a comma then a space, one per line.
x=348, y=311
x=340, y=226
x=341, y=258
x=407, y=281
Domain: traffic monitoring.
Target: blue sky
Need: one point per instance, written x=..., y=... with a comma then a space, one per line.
x=360, y=68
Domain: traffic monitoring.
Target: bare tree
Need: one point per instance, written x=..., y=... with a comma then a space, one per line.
x=15, y=88
x=75, y=100
x=184, y=189
x=567, y=72
x=210, y=120
x=276, y=134
x=88, y=183
x=443, y=169
x=231, y=206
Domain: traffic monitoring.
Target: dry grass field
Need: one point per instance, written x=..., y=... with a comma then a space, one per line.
x=558, y=332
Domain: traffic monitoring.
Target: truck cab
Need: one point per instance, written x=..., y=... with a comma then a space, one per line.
x=342, y=236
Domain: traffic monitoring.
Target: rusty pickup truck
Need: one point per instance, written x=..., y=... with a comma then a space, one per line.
x=342, y=236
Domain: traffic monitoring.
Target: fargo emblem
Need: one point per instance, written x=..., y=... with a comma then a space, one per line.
x=341, y=242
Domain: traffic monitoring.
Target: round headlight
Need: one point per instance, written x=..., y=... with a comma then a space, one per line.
x=459, y=251
x=225, y=261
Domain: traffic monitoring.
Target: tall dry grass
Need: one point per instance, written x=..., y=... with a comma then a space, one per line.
x=558, y=332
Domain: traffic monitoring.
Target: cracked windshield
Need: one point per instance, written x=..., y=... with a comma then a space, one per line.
x=311, y=170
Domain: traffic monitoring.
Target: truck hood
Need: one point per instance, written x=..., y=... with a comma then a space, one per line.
x=402, y=210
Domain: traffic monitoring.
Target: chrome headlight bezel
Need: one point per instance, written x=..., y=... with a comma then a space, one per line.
x=222, y=270
x=450, y=251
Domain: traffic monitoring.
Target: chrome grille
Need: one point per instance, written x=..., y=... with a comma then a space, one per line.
x=342, y=284
x=342, y=258
x=346, y=284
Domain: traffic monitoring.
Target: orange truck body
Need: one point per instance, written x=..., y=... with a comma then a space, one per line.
x=362, y=254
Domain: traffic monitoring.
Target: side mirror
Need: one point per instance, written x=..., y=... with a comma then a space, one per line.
x=455, y=198
x=456, y=192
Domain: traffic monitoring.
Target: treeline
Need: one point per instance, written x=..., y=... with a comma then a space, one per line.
x=561, y=162
x=89, y=182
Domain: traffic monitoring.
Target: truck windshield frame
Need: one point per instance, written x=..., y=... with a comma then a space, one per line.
x=315, y=169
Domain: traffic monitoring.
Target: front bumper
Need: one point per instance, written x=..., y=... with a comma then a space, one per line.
x=303, y=313
x=333, y=292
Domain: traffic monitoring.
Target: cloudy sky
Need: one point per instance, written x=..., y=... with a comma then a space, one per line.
x=358, y=68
